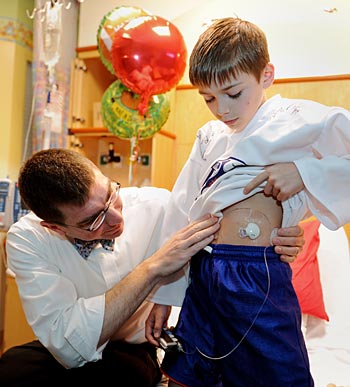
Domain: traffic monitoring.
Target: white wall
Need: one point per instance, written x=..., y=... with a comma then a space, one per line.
x=92, y=12
x=304, y=40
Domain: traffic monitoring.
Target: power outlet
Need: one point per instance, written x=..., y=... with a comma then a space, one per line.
x=104, y=159
x=144, y=160
x=116, y=160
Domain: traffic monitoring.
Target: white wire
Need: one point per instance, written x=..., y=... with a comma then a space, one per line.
x=253, y=322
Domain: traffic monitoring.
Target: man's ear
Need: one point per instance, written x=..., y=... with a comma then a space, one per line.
x=268, y=75
x=54, y=227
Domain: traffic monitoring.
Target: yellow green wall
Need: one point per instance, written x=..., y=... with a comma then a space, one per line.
x=17, y=9
x=16, y=41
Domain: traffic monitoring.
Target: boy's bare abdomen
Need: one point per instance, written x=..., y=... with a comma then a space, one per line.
x=250, y=222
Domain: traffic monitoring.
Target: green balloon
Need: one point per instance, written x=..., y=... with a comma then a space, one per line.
x=121, y=116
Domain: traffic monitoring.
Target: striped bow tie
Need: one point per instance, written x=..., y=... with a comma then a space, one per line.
x=85, y=247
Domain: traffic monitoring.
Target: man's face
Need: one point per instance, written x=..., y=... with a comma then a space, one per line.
x=236, y=101
x=100, y=217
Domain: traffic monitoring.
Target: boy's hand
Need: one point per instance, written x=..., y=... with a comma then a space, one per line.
x=156, y=320
x=282, y=181
x=289, y=242
x=186, y=242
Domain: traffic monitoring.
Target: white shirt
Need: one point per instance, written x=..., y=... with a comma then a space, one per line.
x=63, y=295
x=282, y=130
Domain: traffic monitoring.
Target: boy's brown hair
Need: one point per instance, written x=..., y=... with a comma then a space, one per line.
x=228, y=47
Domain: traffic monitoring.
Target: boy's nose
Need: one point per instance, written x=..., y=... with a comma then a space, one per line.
x=222, y=109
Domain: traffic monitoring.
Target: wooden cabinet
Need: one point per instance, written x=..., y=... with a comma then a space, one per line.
x=153, y=164
x=14, y=329
x=2, y=287
x=17, y=330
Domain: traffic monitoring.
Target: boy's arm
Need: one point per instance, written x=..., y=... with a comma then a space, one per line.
x=324, y=177
x=315, y=177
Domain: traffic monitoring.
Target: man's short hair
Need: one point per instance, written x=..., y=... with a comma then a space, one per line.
x=54, y=177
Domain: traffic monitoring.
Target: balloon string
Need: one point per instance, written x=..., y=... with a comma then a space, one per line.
x=143, y=105
x=131, y=159
x=134, y=154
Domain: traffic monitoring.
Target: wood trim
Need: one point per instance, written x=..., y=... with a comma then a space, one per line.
x=102, y=131
x=321, y=78
x=185, y=87
x=106, y=132
x=85, y=49
x=166, y=133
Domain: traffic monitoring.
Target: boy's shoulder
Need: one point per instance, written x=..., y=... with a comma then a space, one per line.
x=211, y=133
x=309, y=110
x=307, y=104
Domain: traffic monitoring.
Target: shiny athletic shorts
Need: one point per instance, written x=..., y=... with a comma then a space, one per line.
x=240, y=324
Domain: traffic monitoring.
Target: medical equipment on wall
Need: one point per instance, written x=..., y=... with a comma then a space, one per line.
x=11, y=206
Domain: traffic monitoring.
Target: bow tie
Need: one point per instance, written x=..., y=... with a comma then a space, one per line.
x=85, y=247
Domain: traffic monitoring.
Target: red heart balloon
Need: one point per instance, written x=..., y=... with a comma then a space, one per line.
x=148, y=56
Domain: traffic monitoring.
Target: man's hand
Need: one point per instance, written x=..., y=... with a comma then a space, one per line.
x=125, y=297
x=156, y=320
x=282, y=181
x=289, y=243
x=185, y=243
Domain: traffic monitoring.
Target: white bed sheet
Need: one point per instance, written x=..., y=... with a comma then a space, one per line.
x=328, y=343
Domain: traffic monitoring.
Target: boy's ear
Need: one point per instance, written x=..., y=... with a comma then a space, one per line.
x=268, y=75
x=53, y=227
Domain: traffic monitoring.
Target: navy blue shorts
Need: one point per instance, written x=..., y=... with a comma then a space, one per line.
x=256, y=339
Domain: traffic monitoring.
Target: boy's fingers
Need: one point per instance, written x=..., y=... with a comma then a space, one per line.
x=254, y=183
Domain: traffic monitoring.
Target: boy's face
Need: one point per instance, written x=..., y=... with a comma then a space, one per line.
x=235, y=102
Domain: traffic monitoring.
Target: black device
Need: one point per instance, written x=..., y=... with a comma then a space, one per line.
x=168, y=342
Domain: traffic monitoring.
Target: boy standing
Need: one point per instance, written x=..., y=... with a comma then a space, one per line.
x=240, y=323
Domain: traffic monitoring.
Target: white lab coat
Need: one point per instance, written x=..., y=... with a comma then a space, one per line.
x=63, y=295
